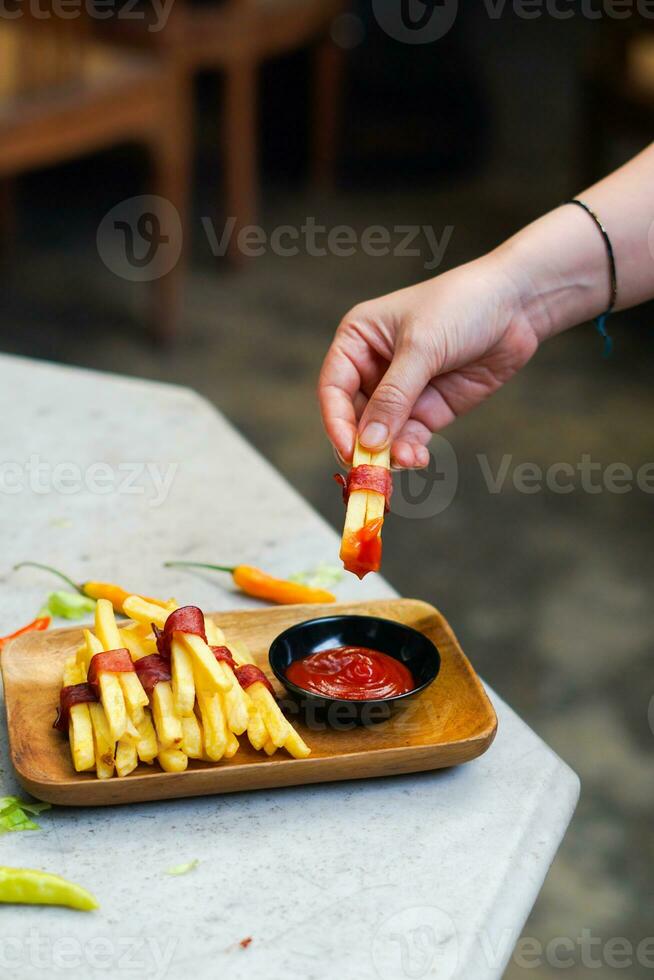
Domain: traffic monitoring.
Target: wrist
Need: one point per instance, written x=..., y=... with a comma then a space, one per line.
x=559, y=270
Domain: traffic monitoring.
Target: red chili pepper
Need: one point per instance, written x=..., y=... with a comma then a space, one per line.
x=37, y=625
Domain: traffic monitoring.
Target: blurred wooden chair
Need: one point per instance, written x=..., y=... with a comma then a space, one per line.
x=618, y=92
x=235, y=37
x=62, y=95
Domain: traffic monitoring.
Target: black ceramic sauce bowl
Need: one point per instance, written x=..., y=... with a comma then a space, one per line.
x=405, y=644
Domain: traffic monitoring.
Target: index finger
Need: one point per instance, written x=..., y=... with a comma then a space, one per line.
x=338, y=386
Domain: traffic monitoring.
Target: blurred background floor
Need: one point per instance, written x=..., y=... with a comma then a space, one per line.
x=550, y=593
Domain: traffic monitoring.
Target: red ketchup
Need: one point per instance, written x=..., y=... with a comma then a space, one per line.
x=351, y=674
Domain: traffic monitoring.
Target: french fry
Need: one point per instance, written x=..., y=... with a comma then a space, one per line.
x=113, y=702
x=183, y=683
x=363, y=508
x=192, y=737
x=105, y=625
x=232, y=746
x=270, y=748
x=166, y=722
x=210, y=672
x=147, y=746
x=213, y=724
x=90, y=647
x=107, y=632
x=172, y=760
x=296, y=746
x=80, y=730
x=237, y=708
x=241, y=652
x=277, y=726
x=257, y=731
x=138, y=644
x=215, y=636
x=103, y=743
x=126, y=757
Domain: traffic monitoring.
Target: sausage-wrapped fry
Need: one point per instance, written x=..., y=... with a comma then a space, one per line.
x=367, y=492
x=107, y=632
x=80, y=730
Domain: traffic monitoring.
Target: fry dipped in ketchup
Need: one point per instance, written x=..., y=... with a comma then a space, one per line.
x=367, y=493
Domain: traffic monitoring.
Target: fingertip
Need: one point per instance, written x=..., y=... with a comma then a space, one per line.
x=422, y=456
x=410, y=456
x=343, y=442
x=374, y=435
x=403, y=455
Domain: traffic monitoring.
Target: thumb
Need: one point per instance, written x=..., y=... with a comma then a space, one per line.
x=393, y=400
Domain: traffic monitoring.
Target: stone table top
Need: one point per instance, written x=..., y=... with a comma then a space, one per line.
x=429, y=875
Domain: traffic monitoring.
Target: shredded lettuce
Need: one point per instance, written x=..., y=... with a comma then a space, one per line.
x=69, y=605
x=14, y=814
x=182, y=869
x=320, y=577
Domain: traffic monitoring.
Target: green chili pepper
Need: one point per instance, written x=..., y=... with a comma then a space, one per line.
x=25, y=886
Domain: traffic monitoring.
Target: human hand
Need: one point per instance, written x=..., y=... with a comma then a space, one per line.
x=405, y=365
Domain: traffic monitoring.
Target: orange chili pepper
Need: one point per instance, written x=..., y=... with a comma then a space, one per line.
x=93, y=590
x=38, y=624
x=256, y=583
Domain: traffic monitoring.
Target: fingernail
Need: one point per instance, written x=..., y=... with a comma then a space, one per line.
x=423, y=457
x=340, y=459
x=375, y=435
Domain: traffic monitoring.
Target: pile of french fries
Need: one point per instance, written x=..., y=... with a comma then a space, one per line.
x=199, y=714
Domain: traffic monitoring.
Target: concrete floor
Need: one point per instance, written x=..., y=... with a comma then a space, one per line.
x=550, y=593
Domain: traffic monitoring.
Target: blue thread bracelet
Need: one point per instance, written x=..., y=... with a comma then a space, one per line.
x=600, y=321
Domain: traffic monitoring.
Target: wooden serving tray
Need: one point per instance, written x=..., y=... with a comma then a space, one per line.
x=451, y=722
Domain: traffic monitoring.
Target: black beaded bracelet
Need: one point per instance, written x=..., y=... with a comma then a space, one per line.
x=600, y=321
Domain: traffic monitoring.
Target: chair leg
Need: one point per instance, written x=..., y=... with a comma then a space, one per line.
x=171, y=159
x=328, y=71
x=241, y=149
